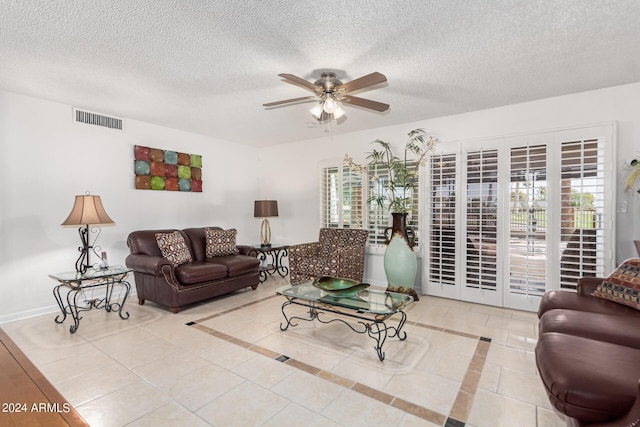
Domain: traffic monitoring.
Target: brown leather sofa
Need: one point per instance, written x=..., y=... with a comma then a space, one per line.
x=159, y=280
x=588, y=356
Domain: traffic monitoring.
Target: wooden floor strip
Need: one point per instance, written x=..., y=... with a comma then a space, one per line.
x=26, y=396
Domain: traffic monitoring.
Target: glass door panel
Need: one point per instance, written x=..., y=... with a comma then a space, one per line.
x=442, y=265
x=528, y=220
x=582, y=211
x=481, y=224
x=519, y=216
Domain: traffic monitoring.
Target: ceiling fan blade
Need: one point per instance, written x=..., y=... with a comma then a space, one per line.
x=362, y=82
x=366, y=103
x=288, y=101
x=299, y=81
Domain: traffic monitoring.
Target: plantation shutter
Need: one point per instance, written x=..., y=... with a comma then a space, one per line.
x=442, y=211
x=582, y=210
x=528, y=223
x=341, y=198
x=352, y=193
x=378, y=218
x=532, y=213
x=481, y=219
x=329, y=196
x=414, y=195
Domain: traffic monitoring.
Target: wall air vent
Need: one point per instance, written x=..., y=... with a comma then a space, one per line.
x=97, y=119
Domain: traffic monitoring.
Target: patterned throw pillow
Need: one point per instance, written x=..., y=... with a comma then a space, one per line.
x=174, y=248
x=623, y=285
x=220, y=242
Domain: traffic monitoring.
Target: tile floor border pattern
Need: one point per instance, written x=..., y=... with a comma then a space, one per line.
x=462, y=404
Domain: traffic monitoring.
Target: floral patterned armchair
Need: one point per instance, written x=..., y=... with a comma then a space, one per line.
x=339, y=252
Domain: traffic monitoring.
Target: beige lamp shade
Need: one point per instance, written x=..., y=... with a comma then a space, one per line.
x=88, y=210
x=265, y=208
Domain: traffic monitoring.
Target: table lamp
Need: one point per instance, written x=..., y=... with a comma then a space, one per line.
x=264, y=209
x=87, y=210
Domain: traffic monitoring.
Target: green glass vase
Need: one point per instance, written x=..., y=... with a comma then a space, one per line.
x=400, y=263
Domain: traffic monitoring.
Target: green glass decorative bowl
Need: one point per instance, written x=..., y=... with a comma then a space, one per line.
x=339, y=287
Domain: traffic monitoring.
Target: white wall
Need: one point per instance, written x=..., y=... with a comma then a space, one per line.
x=294, y=167
x=46, y=159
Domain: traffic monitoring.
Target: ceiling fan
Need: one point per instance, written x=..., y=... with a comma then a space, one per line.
x=331, y=93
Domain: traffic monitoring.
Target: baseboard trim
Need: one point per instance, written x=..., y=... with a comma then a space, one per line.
x=51, y=309
x=21, y=315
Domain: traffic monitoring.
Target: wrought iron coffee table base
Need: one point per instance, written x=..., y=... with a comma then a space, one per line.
x=375, y=326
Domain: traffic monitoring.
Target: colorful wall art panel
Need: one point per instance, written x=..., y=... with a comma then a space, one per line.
x=157, y=169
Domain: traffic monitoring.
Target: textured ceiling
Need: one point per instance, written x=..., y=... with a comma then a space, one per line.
x=208, y=66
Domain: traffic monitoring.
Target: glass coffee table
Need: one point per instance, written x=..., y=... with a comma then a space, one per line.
x=371, y=308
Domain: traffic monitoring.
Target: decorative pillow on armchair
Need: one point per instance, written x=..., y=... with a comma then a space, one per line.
x=174, y=248
x=220, y=242
x=623, y=285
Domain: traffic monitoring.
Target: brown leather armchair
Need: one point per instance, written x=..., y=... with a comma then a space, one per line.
x=339, y=252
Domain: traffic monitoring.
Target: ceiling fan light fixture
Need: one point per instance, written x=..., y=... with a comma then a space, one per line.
x=339, y=112
x=330, y=105
x=317, y=110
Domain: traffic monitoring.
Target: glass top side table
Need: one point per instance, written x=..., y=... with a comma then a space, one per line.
x=77, y=292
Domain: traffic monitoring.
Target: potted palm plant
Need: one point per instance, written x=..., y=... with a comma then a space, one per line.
x=395, y=191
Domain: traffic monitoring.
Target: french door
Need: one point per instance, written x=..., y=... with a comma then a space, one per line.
x=510, y=218
x=481, y=224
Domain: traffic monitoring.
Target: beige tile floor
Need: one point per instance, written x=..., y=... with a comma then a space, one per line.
x=155, y=370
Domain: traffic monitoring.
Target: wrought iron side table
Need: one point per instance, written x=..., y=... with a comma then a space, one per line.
x=271, y=260
x=93, y=289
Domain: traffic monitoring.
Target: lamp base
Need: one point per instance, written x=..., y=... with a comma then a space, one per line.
x=82, y=264
x=265, y=233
